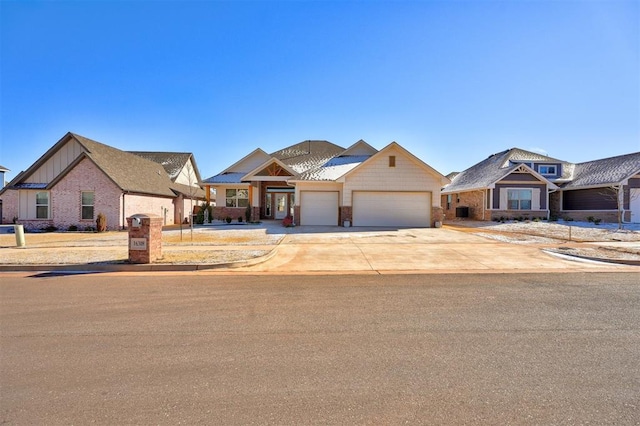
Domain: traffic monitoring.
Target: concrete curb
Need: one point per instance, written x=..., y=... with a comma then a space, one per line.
x=577, y=258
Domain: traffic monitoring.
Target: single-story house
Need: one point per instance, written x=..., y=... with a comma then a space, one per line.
x=79, y=178
x=517, y=183
x=602, y=188
x=316, y=182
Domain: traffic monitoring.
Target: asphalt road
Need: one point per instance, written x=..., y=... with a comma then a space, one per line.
x=393, y=349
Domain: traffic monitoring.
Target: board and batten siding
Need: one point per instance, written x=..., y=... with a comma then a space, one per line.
x=407, y=175
x=520, y=177
x=57, y=163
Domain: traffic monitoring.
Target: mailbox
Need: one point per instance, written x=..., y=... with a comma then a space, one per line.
x=145, y=238
x=136, y=221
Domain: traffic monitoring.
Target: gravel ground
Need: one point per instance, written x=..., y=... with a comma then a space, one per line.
x=564, y=235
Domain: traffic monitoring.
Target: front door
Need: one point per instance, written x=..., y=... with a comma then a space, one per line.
x=281, y=206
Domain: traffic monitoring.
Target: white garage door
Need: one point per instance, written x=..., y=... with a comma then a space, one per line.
x=392, y=209
x=635, y=204
x=318, y=208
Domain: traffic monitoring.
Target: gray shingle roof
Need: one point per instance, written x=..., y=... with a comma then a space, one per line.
x=301, y=157
x=606, y=171
x=496, y=166
x=233, y=177
x=307, y=155
x=130, y=172
x=334, y=168
x=173, y=162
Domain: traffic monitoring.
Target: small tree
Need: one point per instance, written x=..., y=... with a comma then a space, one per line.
x=616, y=194
x=247, y=213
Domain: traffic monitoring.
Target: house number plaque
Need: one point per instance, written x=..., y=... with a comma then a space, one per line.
x=138, y=244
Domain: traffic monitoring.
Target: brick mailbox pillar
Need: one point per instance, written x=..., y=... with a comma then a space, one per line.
x=145, y=238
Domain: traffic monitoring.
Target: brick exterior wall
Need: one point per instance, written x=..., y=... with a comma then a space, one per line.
x=65, y=200
x=162, y=207
x=473, y=199
x=9, y=206
x=437, y=215
x=346, y=213
x=220, y=213
x=607, y=216
x=151, y=231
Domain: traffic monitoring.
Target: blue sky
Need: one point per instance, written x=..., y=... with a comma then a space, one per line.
x=451, y=81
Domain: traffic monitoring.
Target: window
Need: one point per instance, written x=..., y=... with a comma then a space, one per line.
x=42, y=205
x=449, y=201
x=392, y=161
x=547, y=170
x=237, y=197
x=87, y=205
x=519, y=199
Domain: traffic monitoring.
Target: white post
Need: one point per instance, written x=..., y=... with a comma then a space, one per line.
x=19, y=231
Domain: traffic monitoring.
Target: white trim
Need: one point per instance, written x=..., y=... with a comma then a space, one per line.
x=251, y=175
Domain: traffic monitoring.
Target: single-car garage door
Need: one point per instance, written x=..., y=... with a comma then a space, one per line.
x=392, y=209
x=319, y=208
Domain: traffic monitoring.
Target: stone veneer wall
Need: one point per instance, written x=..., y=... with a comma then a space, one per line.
x=472, y=199
x=345, y=213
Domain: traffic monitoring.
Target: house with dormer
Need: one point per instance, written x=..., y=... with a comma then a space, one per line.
x=316, y=182
x=521, y=184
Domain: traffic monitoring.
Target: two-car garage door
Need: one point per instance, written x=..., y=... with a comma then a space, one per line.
x=370, y=208
x=378, y=208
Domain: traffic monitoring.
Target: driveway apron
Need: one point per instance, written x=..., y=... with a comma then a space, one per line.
x=408, y=250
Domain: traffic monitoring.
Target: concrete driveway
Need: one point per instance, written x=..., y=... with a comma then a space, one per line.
x=334, y=249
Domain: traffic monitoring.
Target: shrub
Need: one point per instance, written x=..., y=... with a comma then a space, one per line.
x=50, y=228
x=287, y=222
x=597, y=221
x=239, y=219
x=89, y=229
x=247, y=213
x=228, y=219
x=73, y=228
x=591, y=219
x=101, y=223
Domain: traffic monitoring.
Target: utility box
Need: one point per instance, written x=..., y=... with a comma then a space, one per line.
x=462, y=211
x=145, y=238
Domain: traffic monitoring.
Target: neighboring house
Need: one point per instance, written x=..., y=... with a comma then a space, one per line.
x=320, y=183
x=78, y=178
x=2, y=172
x=517, y=183
x=603, y=189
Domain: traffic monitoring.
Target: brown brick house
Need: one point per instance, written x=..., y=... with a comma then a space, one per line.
x=78, y=178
